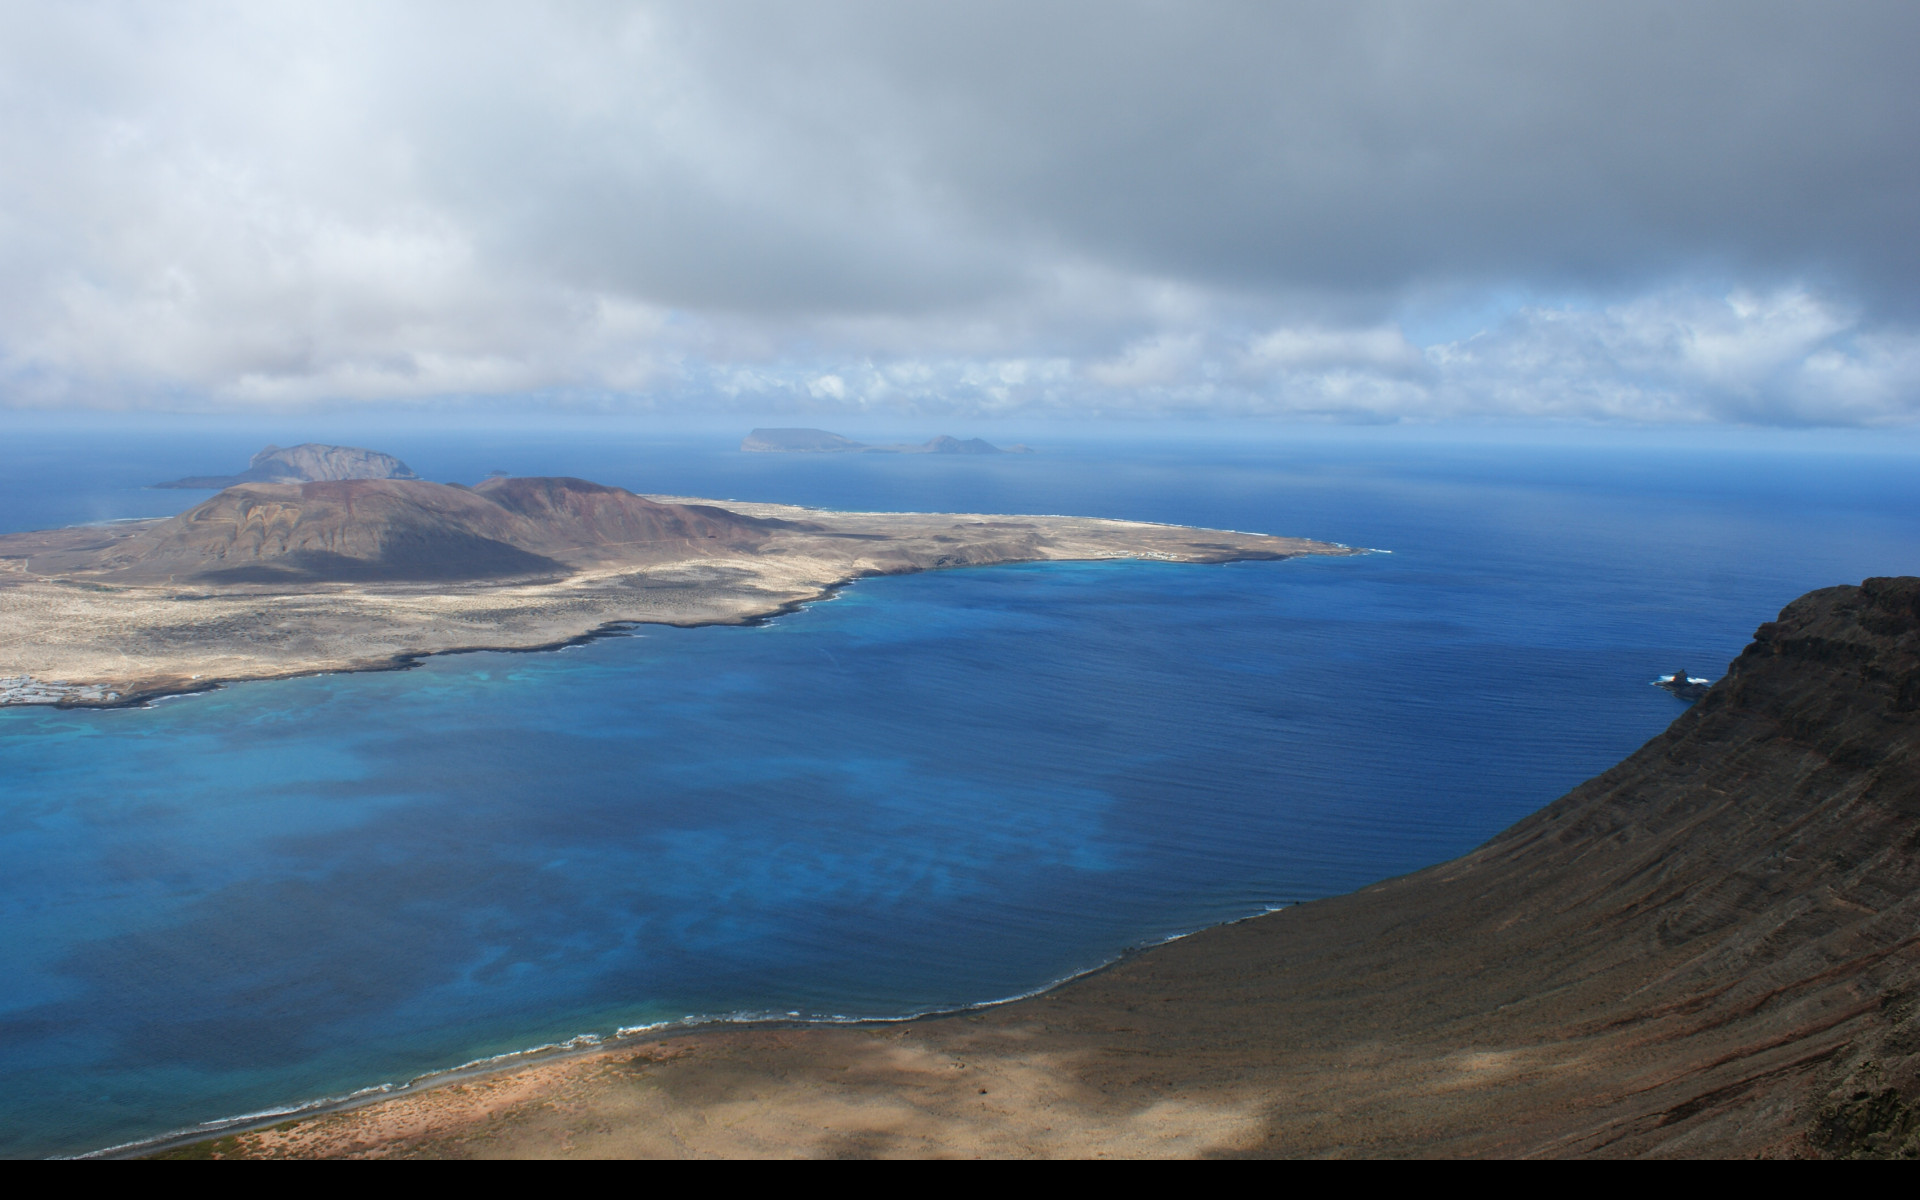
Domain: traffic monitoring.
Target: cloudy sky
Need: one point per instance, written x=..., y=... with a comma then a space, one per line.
x=1642, y=212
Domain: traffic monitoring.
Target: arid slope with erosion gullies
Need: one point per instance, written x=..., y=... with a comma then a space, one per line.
x=1712, y=949
x=275, y=579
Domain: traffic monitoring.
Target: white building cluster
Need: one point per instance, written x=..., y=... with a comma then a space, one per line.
x=25, y=689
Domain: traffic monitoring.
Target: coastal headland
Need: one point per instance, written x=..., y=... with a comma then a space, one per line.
x=1712, y=949
x=270, y=579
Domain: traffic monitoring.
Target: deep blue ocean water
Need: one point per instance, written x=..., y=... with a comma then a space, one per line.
x=927, y=792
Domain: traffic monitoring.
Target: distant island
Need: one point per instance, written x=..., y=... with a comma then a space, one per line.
x=309, y=462
x=819, y=441
x=283, y=578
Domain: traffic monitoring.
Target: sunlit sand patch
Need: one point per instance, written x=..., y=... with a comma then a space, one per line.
x=773, y=1098
x=1485, y=1062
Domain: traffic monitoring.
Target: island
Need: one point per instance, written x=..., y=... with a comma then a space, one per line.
x=271, y=579
x=309, y=462
x=819, y=441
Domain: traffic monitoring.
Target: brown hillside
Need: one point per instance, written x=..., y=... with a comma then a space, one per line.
x=568, y=516
x=396, y=530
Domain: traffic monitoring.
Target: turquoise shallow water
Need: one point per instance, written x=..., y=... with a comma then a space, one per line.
x=930, y=791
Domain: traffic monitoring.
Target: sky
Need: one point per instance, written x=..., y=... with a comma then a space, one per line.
x=1674, y=213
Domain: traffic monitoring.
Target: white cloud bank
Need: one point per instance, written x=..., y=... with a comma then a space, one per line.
x=1679, y=356
x=1044, y=209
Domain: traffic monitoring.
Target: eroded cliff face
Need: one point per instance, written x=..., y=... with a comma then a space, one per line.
x=1763, y=851
x=1712, y=948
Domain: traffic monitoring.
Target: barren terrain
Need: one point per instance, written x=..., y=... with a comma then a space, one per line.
x=269, y=580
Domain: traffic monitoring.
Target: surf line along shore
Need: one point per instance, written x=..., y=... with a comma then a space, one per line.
x=1707, y=950
x=267, y=580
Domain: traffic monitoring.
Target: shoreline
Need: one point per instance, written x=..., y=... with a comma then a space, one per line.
x=738, y=591
x=144, y=638
x=589, y=1045
x=408, y=660
x=144, y=697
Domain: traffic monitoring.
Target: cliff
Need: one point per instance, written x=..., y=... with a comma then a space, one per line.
x=1712, y=948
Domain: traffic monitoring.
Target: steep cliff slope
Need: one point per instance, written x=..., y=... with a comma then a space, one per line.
x=1713, y=947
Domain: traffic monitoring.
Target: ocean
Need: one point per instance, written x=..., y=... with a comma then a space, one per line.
x=924, y=793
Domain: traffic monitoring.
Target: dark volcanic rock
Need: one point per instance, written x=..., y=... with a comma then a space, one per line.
x=1712, y=948
x=309, y=462
x=1683, y=685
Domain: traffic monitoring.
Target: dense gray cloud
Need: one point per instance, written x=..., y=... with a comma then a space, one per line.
x=1360, y=211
